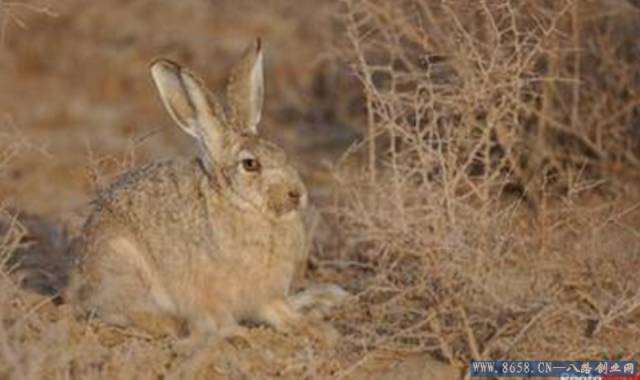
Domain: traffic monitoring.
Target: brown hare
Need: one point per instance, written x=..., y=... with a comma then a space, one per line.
x=202, y=243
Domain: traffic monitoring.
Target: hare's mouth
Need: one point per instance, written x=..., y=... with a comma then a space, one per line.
x=285, y=207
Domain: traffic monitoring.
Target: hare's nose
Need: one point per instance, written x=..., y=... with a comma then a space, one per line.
x=294, y=195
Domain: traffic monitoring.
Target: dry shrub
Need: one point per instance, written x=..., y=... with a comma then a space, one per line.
x=469, y=104
x=507, y=92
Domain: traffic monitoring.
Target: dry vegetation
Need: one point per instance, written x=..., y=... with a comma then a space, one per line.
x=488, y=208
x=491, y=216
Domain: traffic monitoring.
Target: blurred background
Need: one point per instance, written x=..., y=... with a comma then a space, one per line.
x=76, y=92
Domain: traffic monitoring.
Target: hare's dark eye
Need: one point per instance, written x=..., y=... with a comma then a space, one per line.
x=251, y=164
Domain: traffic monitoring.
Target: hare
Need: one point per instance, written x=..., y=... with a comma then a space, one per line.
x=203, y=243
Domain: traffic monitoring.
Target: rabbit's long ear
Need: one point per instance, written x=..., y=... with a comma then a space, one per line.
x=188, y=103
x=245, y=90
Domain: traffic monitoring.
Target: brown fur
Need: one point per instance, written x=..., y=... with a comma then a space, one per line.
x=203, y=241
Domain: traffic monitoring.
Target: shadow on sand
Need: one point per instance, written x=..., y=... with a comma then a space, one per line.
x=34, y=251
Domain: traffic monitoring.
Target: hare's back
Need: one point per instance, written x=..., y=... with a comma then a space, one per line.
x=155, y=199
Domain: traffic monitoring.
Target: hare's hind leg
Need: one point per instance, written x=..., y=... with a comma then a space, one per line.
x=124, y=290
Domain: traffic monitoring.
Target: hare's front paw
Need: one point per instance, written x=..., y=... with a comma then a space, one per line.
x=282, y=316
x=279, y=315
x=318, y=299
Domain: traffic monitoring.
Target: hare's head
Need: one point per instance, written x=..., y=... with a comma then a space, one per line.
x=255, y=173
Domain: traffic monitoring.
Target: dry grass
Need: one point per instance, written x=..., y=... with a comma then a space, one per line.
x=490, y=221
x=489, y=211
